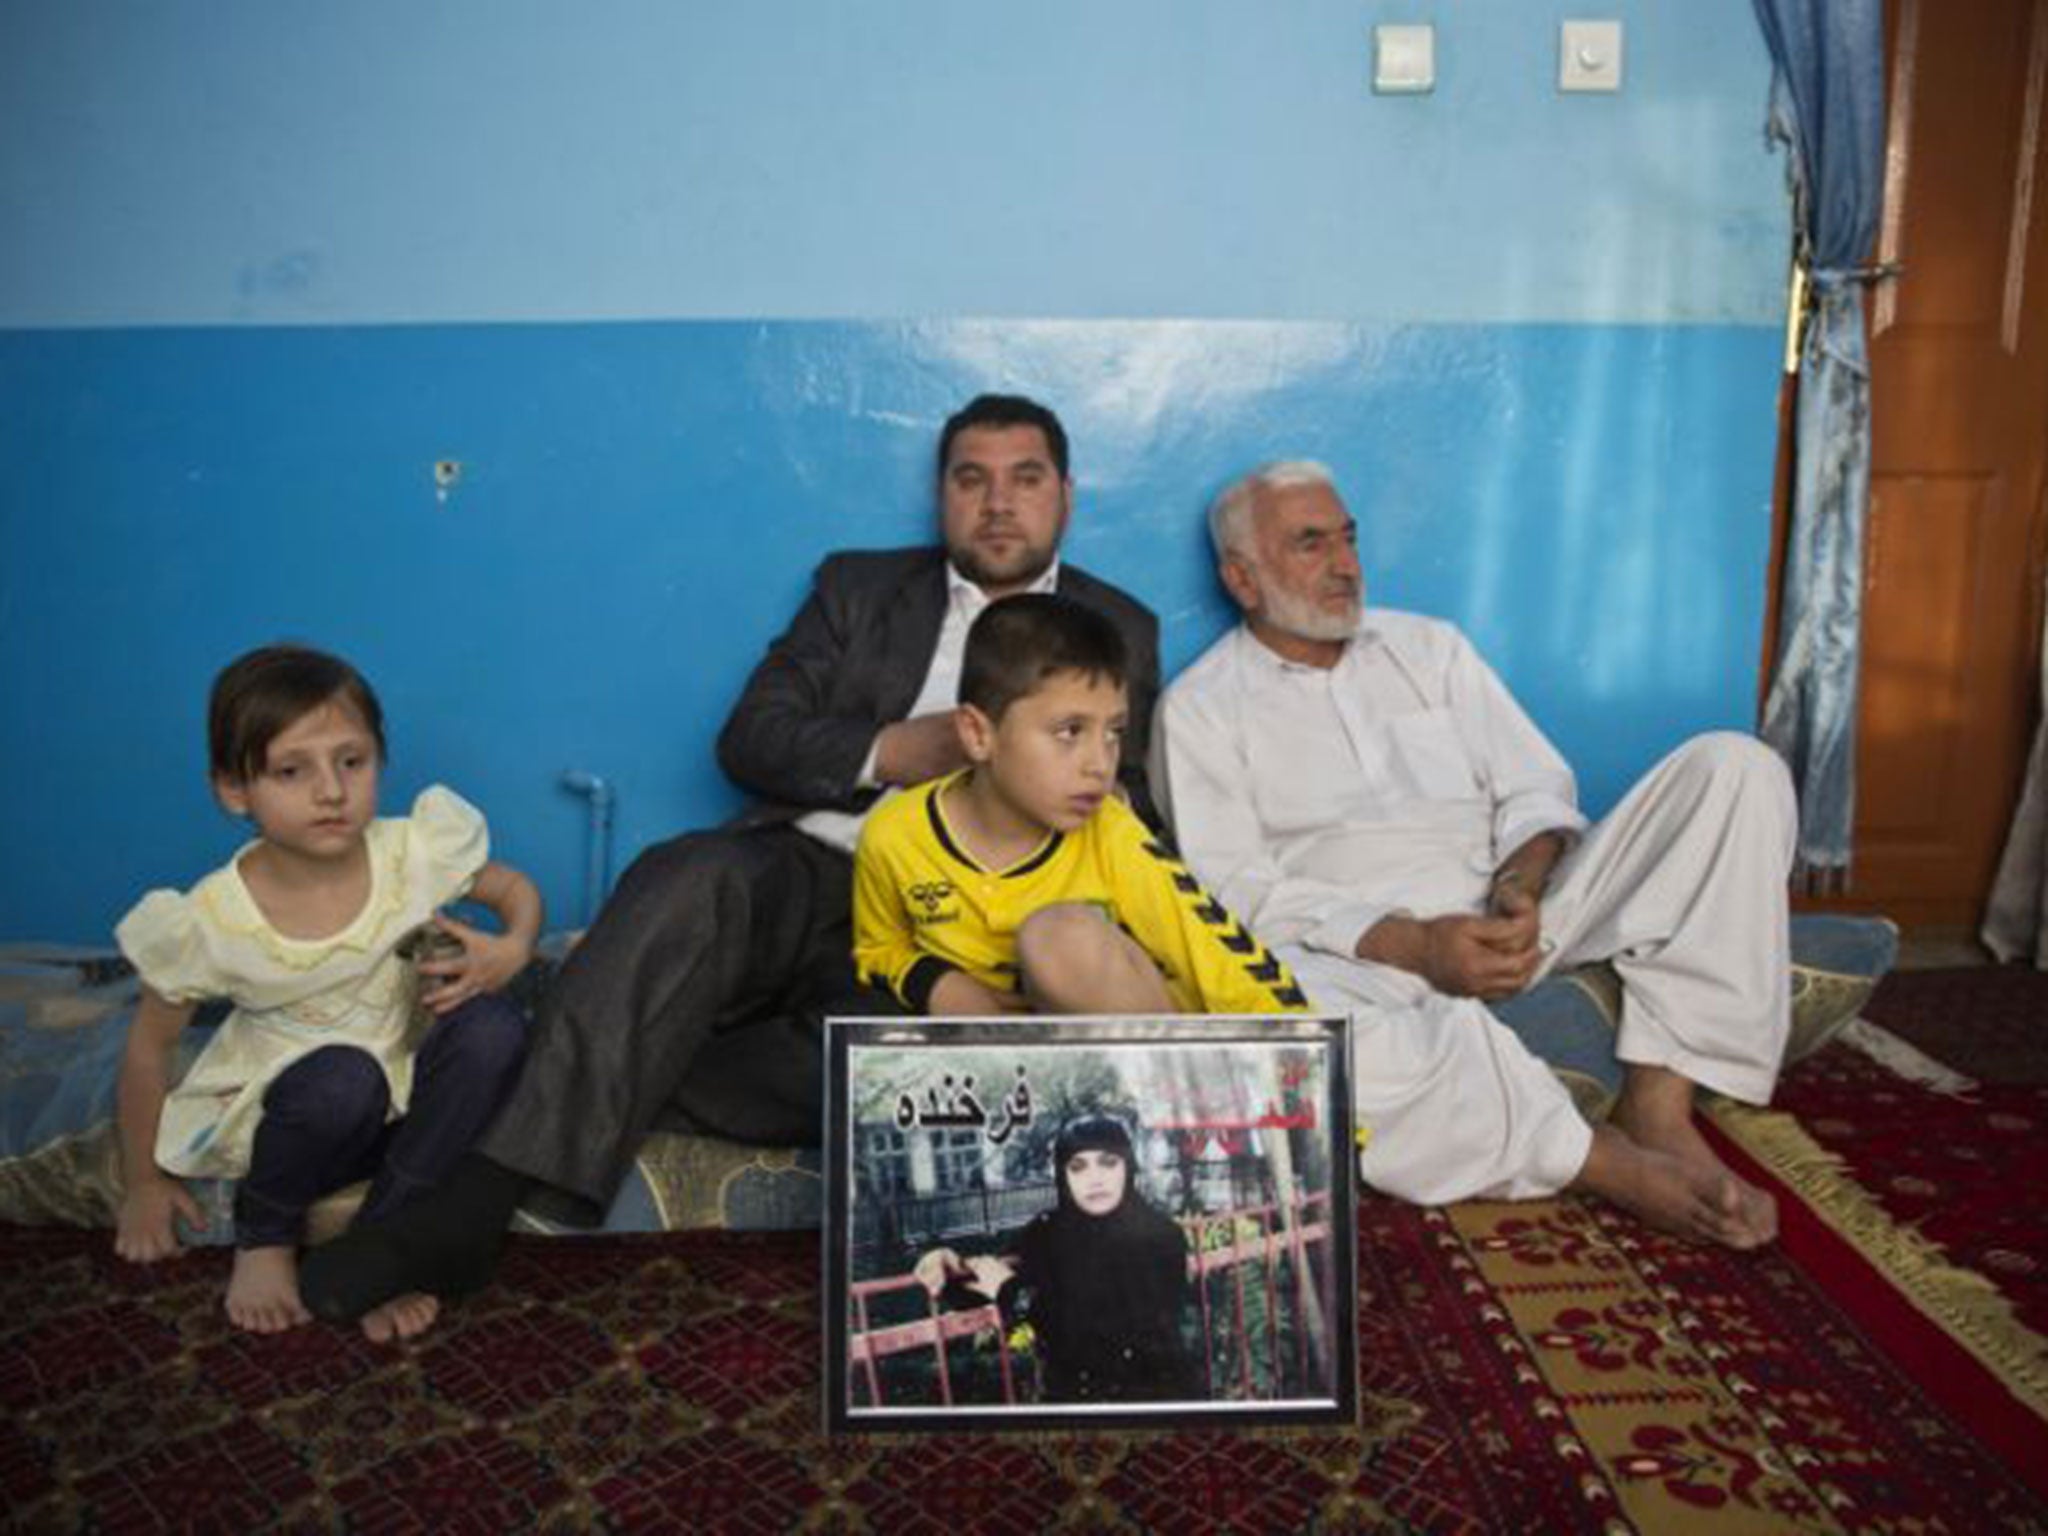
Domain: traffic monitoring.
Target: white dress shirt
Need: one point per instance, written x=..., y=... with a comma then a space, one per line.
x=941, y=690
x=1315, y=802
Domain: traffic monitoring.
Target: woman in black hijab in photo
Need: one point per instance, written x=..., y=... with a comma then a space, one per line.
x=1102, y=1278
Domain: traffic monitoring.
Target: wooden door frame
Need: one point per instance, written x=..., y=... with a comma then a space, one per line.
x=2035, y=600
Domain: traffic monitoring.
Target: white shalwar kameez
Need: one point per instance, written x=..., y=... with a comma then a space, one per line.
x=1315, y=802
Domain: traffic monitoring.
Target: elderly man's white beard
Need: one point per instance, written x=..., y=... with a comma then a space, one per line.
x=1293, y=614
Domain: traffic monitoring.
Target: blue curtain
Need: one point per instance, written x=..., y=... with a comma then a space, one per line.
x=1827, y=106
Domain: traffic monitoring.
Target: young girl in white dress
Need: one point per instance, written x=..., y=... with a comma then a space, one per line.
x=320, y=1076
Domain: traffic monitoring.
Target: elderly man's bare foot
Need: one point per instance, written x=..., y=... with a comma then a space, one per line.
x=1673, y=1194
x=263, y=1290
x=1656, y=1113
x=1655, y=1110
x=401, y=1318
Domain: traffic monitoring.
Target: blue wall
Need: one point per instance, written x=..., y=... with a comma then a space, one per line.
x=688, y=290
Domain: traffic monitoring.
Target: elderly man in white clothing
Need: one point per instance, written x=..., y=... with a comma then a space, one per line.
x=1361, y=789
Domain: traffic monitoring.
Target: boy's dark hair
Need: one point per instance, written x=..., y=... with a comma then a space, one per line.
x=1004, y=411
x=1020, y=641
x=261, y=694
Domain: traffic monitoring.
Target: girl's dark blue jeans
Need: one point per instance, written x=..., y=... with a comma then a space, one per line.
x=324, y=1124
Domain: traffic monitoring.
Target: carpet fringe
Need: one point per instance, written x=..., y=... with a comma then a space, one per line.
x=1903, y=1059
x=1964, y=1303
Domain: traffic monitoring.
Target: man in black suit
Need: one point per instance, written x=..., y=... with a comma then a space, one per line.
x=696, y=996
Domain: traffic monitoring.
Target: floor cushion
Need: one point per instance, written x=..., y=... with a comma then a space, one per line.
x=64, y=1019
x=1569, y=1019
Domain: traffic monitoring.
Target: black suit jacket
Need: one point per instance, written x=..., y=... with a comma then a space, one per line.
x=853, y=660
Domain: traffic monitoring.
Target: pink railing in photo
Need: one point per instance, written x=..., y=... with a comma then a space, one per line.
x=1239, y=1250
x=1234, y=1257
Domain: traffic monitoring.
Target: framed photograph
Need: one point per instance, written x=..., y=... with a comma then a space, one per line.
x=1077, y=1222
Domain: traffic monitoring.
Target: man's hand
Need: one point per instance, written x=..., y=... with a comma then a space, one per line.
x=1484, y=957
x=143, y=1226
x=1515, y=904
x=1526, y=871
x=922, y=747
x=959, y=995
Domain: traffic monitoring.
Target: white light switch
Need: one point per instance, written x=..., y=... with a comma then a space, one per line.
x=1404, y=59
x=1589, y=56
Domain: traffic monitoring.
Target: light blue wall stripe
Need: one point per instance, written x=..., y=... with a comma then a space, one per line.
x=295, y=162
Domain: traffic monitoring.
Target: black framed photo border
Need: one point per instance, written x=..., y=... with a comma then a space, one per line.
x=1046, y=1223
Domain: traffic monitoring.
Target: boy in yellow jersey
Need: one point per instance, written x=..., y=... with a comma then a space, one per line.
x=1022, y=883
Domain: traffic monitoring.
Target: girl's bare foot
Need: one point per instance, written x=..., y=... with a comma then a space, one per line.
x=263, y=1291
x=1673, y=1194
x=401, y=1318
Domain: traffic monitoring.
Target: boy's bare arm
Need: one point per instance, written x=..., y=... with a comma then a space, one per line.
x=150, y=1198
x=959, y=995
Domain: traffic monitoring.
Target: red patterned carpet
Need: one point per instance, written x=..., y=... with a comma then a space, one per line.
x=1525, y=1367
x=1968, y=1171
x=1990, y=1022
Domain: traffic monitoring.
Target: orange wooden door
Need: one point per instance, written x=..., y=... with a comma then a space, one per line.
x=1959, y=382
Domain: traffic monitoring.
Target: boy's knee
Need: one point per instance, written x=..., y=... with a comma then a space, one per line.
x=1063, y=935
x=332, y=1092
x=1075, y=959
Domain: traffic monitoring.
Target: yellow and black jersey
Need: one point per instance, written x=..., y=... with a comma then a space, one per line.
x=923, y=906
